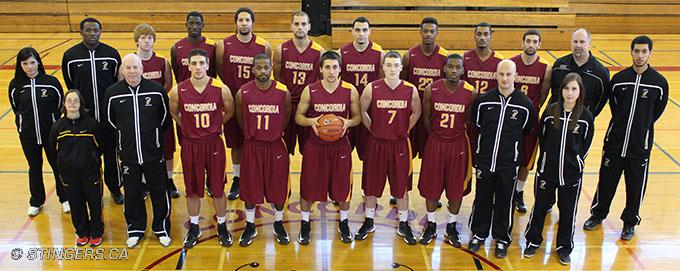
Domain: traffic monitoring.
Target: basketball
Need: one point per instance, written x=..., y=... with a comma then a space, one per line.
x=330, y=127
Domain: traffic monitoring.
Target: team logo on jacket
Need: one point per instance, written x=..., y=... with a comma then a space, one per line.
x=105, y=66
x=542, y=184
x=606, y=162
x=147, y=101
x=479, y=174
x=43, y=93
x=514, y=114
x=644, y=93
x=126, y=170
x=576, y=127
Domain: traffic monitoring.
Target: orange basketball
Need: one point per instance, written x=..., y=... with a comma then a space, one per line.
x=330, y=127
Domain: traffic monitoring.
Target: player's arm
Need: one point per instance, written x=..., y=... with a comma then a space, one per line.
x=173, y=100
x=219, y=58
x=168, y=76
x=354, y=109
x=228, y=103
x=427, y=110
x=173, y=62
x=239, y=113
x=415, y=109
x=545, y=86
x=366, y=98
x=404, y=62
x=302, y=109
x=288, y=108
x=277, y=63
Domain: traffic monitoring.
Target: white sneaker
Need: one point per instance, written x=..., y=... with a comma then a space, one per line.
x=132, y=242
x=34, y=211
x=164, y=240
x=66, y=207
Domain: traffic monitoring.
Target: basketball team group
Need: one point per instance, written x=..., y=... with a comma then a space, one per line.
x=472, y=115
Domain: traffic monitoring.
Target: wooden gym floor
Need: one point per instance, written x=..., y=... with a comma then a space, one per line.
x=655, y=246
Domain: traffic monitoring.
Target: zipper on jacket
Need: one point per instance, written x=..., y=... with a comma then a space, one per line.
x=631, y=115
x=138, y=138
x=499, y=129
x=563, y=143
x=36, y=115
x=95, y=93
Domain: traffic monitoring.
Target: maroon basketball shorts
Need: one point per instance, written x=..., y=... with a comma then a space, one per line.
x=391, y=160
x=326, y=171
x=201, y=157
x=530, y=148
x=233, y=134
x=264, y=172
x=294, y=133
x=418, y=137
x=169, y=145
x=447, y=166
x=358, y=138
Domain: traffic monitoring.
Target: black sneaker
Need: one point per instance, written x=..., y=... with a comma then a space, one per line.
x=365, y=229
x=234, y=191
x=519, y=202
x=429, y=234
x=628, y=232
x=118, y=197
x=192, y=236
x=501, y=250
x=452, y=235
x=223, y=235
x=172, y=189
x=439, y=204
x=303, y=236
x=564, y=257
x=345, y=233
x=393, y=201
x=530, y=251
x=474, y=244
x=591, y=223
x=146, y=194
x=405, y=231
x=280, y=233
x=248, y=235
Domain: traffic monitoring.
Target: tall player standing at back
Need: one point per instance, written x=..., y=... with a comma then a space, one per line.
x=424, y=64
x=390, y=107
x=235, y=56
x=533, y=79
x=296, y=64
x=447, y=161
x=158, y=69
x=90, y=67
x=263, y=112
x=327, y=166
x=201, y=105
x=481, y=62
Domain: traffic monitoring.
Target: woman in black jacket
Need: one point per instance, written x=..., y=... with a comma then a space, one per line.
x=36, y=99
x=76, y=140
x=566, y=131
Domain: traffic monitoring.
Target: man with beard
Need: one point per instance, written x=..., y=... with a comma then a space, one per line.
x=296, y=64
x=533, y=79
x=639, y=97
x=595, y=76
x=235, y=56
x=481, y=62
x=91, y=66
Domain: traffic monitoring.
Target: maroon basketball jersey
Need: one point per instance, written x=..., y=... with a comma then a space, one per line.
x=201, y=113
x=360, y=68
x=424, y=69
x=237, y=60
x=299, y=69
x=448, y=110
x=322, y=102
x=154, y=69
x=182, y=49
x=481, y=74
x=264, y=111
x=390, y=109
x=530, y=78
